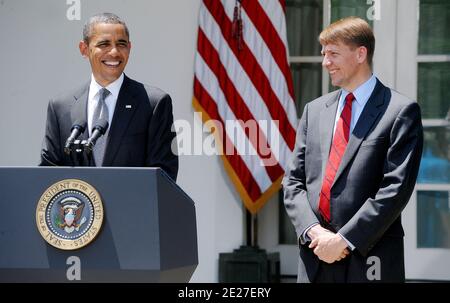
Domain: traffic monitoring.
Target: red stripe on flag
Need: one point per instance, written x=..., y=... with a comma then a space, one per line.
x=270, y=35
x=235, y=160
x=254, y=72
x=237, y=105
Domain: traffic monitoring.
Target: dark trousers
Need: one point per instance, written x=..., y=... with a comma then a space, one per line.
x=332, y=273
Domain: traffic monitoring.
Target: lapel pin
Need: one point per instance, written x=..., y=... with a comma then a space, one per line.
x=128, y=106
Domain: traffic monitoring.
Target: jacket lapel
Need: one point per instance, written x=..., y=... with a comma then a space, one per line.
x=368, y=116
x=120, y=121
x=79, y=109
x=327, y=118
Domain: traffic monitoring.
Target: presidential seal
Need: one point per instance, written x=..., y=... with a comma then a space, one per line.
x=69, y=214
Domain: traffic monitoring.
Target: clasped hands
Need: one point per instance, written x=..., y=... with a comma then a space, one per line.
x=328, y=246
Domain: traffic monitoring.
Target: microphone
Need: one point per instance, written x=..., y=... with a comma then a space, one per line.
x=98, y=131
x=76, y=130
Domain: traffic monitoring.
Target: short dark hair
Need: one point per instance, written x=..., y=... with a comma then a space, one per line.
x=108, y=18
x=351, y=31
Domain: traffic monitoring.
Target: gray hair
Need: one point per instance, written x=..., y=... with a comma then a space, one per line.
x=108, y=18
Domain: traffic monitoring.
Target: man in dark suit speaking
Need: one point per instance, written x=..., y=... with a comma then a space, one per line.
x=136, y=118
x=354, y=167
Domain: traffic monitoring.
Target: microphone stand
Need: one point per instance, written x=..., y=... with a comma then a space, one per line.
x=77, y=153
x=81, y=153
x=89, y=153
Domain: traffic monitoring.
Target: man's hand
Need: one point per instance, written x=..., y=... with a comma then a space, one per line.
x=316, y=231
x=328, y=246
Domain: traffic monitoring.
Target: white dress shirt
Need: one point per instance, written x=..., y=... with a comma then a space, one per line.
x=111, y=99
x=362, y=95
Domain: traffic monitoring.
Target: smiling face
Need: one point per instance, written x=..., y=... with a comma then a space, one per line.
x=345, y=64
x=108, y=50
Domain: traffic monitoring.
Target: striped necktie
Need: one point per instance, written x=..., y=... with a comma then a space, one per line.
x=340, y=140
x=100, y=112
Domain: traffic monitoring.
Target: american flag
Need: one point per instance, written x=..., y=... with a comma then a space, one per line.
x=242, y=75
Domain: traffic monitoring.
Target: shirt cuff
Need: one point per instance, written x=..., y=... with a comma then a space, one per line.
x=349, y=244
x=305, y=233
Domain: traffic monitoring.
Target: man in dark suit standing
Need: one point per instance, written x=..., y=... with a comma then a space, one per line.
x=140, y=117
x=354, y=167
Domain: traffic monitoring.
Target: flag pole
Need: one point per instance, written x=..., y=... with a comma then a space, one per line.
x=251, y=229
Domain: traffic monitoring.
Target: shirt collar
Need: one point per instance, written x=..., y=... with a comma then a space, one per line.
x=113, y=87
x=362, y=93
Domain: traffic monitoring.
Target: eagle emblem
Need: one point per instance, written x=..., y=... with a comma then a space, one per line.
x=70, y=214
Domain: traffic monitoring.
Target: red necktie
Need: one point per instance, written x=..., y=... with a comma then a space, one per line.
x=337, y=150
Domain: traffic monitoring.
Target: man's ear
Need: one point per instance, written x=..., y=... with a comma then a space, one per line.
x=362, y=54
x=84, y=48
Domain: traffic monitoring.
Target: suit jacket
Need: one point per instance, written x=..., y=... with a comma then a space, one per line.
x=138, y=136
x=372, y=185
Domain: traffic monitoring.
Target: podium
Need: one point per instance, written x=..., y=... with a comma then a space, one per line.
x=147, y=232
